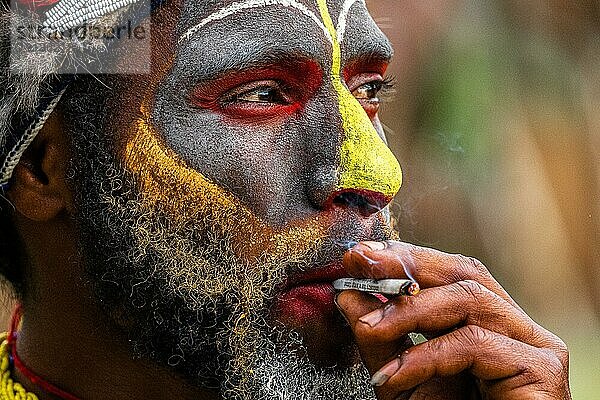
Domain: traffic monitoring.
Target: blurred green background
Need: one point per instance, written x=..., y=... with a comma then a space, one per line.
x=496, y=121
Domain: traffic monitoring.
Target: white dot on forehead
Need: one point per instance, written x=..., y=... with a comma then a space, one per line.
x=243, y=6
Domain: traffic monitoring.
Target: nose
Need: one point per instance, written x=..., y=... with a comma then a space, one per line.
x=368, y=171
x=368, y=174
x=365, y=175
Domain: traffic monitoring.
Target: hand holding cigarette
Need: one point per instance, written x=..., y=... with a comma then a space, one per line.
x=481, y=342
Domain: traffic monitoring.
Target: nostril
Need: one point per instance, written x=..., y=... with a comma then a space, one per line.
x=363, y=201
x=351, y=200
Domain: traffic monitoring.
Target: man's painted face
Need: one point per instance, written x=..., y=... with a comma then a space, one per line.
x=253, y=156
x=273, y=104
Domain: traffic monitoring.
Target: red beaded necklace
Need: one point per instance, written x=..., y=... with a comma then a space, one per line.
x=19, y=365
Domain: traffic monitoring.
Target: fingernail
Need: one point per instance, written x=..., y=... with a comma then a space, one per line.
x=335, y=301
x=372, y=318
x=374, y=246
x=384, y=374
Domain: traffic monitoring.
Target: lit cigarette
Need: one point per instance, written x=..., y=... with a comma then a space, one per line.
x=402, y=287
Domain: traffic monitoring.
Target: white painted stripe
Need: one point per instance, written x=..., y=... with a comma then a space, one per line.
x=343, y=18
x=237, y=7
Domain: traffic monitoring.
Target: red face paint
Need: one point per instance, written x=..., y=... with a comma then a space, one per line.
x=366, y=65
x=309, y=295
x=295, y=82
x=365, y=202
x=363, y=71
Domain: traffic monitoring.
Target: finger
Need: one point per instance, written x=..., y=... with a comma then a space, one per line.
x=460, y=387
x=353, y=305
x=429, y=267
x=487, y=355
x=446, y=307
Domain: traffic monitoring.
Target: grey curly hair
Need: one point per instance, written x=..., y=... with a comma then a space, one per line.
x=30, y=69
x=32, y=84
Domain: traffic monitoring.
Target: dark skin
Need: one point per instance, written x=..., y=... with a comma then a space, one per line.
x=480, y=340
x=54, y=343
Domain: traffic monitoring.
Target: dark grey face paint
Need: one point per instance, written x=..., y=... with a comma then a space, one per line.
x=281, y=163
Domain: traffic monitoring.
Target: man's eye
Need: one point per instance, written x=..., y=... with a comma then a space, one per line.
x=264, y=98
x=369, y=91
x=263, y=95
x=372, y=92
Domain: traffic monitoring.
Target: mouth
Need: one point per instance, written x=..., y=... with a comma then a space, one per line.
x=326, y=274
x=307, y=298
x=306, y=304
x=309, y=294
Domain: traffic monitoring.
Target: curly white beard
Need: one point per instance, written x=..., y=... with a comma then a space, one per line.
x=287, y=375
x=187, y=302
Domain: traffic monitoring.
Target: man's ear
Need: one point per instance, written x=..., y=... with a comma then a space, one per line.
x=38, y=187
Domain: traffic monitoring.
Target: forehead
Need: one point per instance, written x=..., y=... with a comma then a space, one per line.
x=197, y=10
x=255, y=28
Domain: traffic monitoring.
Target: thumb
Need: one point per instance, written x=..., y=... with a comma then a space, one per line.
x=362, y=310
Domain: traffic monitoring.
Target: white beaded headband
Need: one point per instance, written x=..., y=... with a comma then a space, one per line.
x=15, y=154
x=69, y=14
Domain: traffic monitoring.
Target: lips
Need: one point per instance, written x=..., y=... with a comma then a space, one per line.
x=326, y=274
x=309, y=296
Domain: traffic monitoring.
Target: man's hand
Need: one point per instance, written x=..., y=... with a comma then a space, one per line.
x=481, y=343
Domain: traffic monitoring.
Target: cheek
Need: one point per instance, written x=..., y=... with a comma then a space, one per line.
x=255, y=165
x=168, y=183
x=264, y=162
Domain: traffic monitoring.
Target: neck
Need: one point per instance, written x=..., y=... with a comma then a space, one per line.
x=66, y=339
x=92, y=366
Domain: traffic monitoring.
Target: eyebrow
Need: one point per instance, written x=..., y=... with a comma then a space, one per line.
x=374, y=46
x=262, y=58
x=379, y=50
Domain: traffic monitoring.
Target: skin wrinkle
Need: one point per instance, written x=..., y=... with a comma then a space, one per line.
x=240, y=7
x=249, y=43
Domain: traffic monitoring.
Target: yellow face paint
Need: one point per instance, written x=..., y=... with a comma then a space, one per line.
x=168, y=183
x=366, y=162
